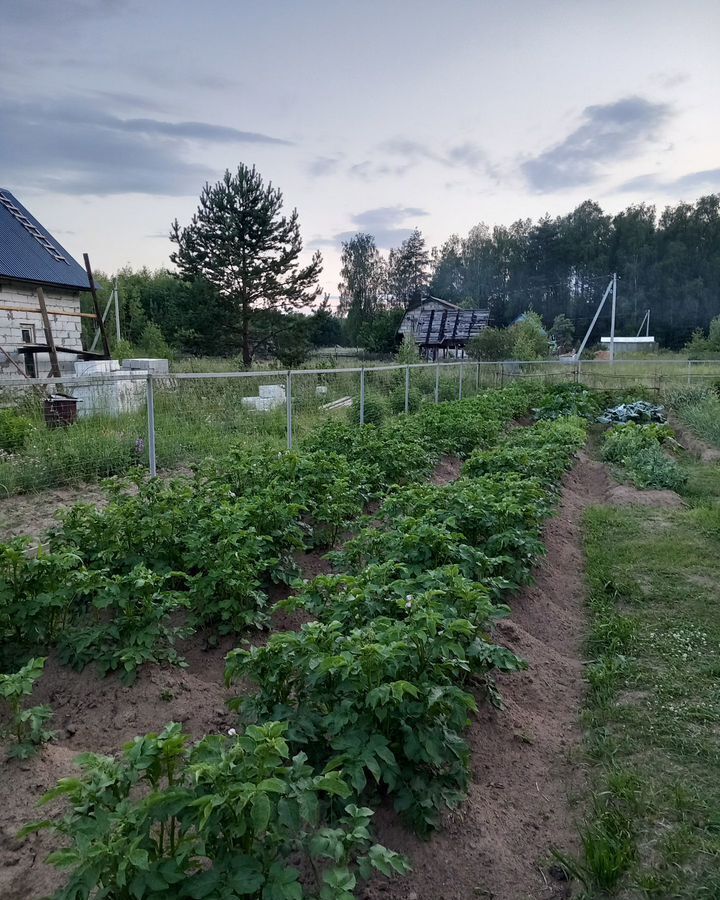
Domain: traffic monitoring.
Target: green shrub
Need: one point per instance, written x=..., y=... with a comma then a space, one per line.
x=626, y=440
x=14, y=430
x=651, y=468
x=375, y=410
x=384, y=697
x=396, y=400
x=637, y=448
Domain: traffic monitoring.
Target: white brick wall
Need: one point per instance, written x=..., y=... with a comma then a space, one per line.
x=67, y=330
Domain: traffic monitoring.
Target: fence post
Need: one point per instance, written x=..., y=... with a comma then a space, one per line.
x=502, y=374
x=477, y=378
x=288, y=400
x=362, y=395
x=689, y=370
x=407, y=389
x=152, y=463
x=460, y=381
x=437, y=380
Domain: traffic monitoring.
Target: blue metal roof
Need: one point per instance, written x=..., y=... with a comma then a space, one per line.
x=28, y=252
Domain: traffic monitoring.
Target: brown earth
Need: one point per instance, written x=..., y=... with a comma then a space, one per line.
x=627, y=495
x=694, y=445
x=33, y=514
x=498, y=844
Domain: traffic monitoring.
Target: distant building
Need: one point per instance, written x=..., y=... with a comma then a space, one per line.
x=31, y=257
x=441, y=328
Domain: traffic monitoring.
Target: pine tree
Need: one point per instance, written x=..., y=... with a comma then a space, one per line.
x=240, y=242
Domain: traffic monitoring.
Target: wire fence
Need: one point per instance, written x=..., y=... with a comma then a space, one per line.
x=166, y=423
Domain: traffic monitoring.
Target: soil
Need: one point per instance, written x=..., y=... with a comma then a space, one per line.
x=694, y=445
x=498, y=845
x=447, y=470
x=33, y=514
x=627, y=495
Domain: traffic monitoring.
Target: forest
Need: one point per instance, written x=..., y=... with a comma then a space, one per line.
x=667, y=262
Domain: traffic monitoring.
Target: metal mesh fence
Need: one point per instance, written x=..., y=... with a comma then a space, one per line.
x=46, y=442
x=166, y=423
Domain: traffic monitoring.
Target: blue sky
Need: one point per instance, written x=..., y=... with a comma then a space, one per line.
x=377, y=116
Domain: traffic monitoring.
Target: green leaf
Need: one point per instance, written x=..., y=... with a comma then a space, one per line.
x=261, y=813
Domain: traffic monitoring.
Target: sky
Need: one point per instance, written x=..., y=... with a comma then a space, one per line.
x=368, y=115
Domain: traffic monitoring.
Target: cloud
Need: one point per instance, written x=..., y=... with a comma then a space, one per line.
x=398, y=155
x=29, y=13
x=198, y=131
x=324, y=165
x=707, y=179
x=74, y=147
x=387, y=224
x=609, y=132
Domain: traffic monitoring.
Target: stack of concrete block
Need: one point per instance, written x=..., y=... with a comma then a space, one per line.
x=111, y=390
x=147, y=364
x=271, y=397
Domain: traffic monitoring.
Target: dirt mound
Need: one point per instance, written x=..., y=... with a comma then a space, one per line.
x=693, y=444
x=498, y=844
x=627, y=495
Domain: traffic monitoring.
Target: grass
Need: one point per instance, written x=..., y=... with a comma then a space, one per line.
x=703, y=417
x=653, y=707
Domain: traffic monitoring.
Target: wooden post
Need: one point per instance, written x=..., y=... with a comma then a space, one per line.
x=49, y=339
x=98, y=314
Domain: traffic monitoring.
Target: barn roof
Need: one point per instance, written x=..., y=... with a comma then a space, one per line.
x=450, y=328
x=28, y=252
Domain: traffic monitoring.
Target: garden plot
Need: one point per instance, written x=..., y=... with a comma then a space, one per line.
x=386, y=658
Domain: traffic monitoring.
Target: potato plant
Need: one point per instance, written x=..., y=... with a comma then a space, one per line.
x=27, y=726
x=230, y=817
x=385, y=697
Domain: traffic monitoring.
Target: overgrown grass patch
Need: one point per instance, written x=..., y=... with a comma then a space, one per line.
x=653, y=710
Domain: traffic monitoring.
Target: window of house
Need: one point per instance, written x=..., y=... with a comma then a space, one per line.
x=27, y=333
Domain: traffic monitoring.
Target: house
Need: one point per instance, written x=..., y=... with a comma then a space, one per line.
x=30, y=257
x=439, y=327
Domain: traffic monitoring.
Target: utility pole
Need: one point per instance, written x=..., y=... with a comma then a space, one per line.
x=117, y=312
x=595, y=318
x=612, y=318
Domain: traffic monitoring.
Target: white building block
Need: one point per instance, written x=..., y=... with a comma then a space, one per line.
x=276, y=391
x=156, y=366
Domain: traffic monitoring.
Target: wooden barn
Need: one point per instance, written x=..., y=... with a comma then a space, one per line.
x=440, y=328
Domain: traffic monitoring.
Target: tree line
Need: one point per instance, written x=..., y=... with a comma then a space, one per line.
x=240, y=287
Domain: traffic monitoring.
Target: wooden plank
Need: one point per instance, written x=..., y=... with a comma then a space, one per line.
x=51, y=312
x=54, y=364
x=96, y=304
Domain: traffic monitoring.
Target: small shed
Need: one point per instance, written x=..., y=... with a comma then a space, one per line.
x=631, y=344
x=30, y=257
x=410, y=321
x=442, y=328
